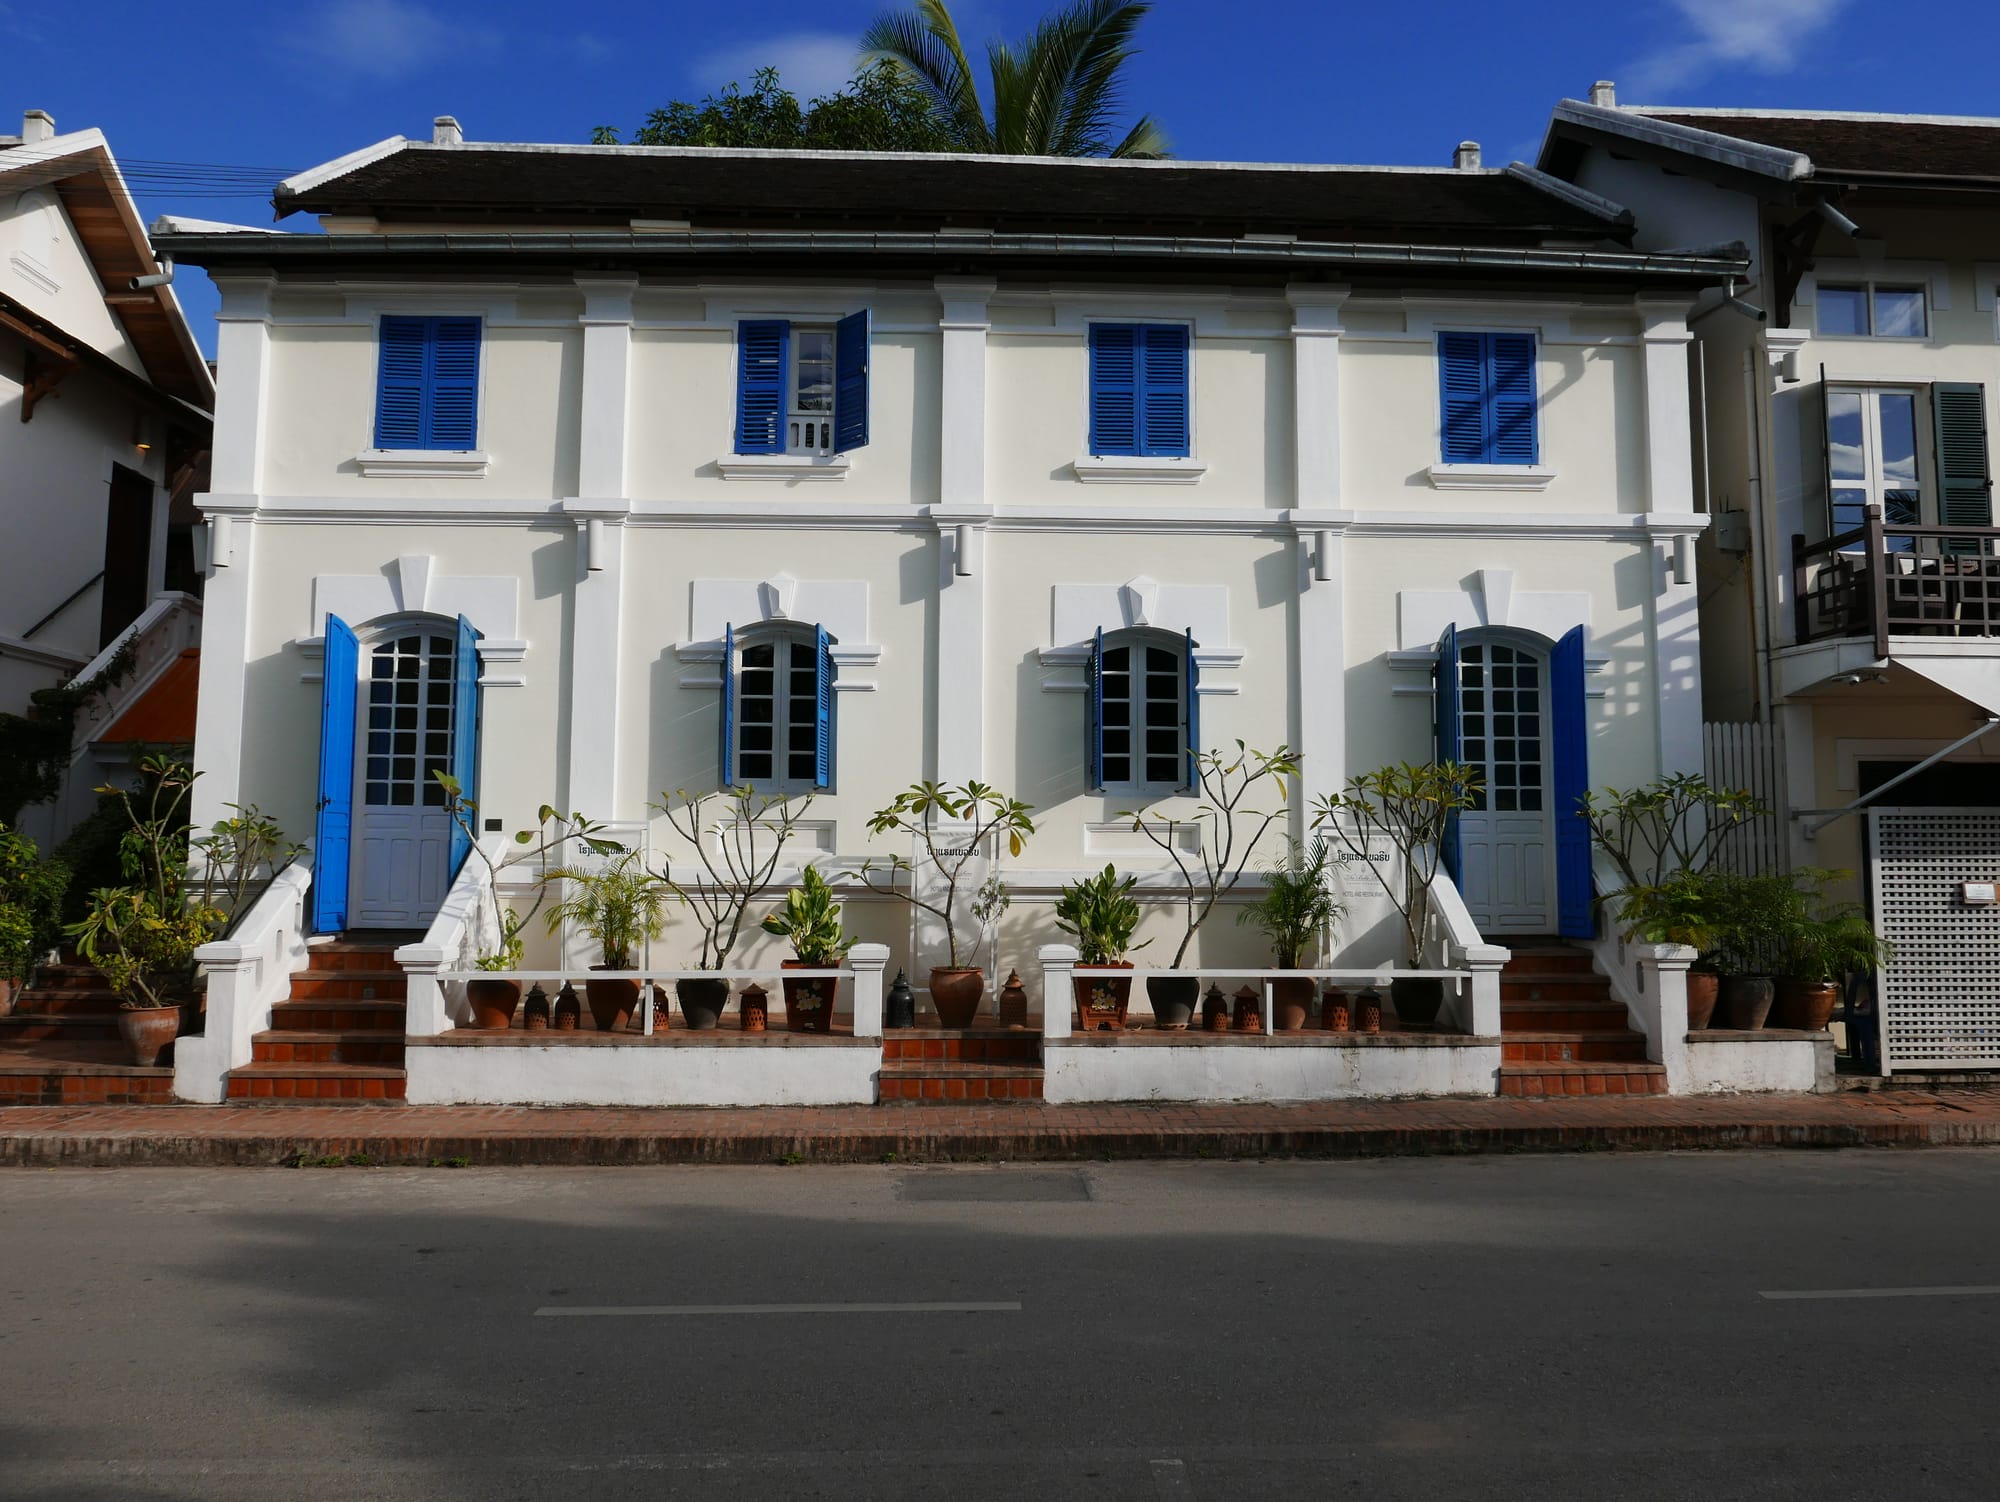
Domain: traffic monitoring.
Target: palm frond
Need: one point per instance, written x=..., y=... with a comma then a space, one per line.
x=1145, y=141
x=1077, y=58
x=923, y=44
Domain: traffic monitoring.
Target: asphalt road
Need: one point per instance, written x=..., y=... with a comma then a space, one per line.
x=1532, y=1327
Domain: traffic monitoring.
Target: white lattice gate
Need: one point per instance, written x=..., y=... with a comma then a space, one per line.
x=1939, y=997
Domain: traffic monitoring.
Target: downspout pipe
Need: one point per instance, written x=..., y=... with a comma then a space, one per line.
x=164, y=277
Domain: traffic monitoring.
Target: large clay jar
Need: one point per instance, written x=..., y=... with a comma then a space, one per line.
x=612, y=1001
x=1291, y=1002
x=1702, y=988
x=1173, y=998
x=809, y=1003
x=955, y=994
x=702, y=1000
x=1102, y=1001
x=1745, y=1002
x=1418, y=999
x=494, y=1000
x=1805, y=1004
x=148, y=1032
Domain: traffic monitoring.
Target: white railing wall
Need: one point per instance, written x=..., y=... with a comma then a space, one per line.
x=463, y=929
x=247, y=973
x=1455, y=944
x=164, y=629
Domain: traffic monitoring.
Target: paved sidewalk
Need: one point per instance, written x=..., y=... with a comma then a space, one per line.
x=105, y=1136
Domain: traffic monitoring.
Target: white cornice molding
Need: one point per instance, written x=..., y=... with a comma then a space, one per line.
x=1490, y=476
x=1121, y=469
x=433, y=464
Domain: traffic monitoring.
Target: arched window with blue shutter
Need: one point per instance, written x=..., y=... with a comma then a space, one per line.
x=778, y=708
x=1143, y=726
x=427, y=383
x=1487, y=399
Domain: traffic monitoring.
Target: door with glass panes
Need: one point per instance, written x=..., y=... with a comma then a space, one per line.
x=402, y=833
x=1506, y=840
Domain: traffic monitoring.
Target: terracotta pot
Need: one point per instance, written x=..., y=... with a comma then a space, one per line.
x=809, y=1004
x=1249, y=1017
x=1291, y=1002
x=1214, y=1011
x=149, y=1032
x=612, y=1002
x=1103, y=1000
x=1418, y=1000
x=1807, y=1005
x=535, y=1011
x=1368, y=1012
x=1702, y=988
x=702, y=1001
x=493, y=1000
x=1333, y=1010
x=569, y=1011
x=1173, y=998
x=1745, y=1001
x=955, y=994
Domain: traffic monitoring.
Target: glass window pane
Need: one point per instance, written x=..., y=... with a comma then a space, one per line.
x=1850, y=510
x=1845, y=451
x=1843, y=310
x=813, y=355
x=1899, y=312
x=1897, y=413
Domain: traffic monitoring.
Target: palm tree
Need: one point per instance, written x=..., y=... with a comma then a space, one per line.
x=1054, y=95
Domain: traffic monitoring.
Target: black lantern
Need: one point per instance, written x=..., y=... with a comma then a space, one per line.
x=901, y=1008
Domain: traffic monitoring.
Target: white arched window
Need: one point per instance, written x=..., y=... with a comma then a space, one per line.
x=1144, y=715
x=777, y=708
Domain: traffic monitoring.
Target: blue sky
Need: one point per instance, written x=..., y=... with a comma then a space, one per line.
x=288, y=85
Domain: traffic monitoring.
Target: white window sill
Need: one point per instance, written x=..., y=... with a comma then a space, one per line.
x=419, y=463
x=1133, y=469
x=782, y=467
x=1491, y=476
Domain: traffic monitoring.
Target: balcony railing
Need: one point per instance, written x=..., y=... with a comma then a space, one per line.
x=1881, y=581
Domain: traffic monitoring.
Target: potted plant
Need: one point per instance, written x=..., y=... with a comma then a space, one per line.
x=1297, y=907
x=1823, y=944
x=1101, y=914
x=1410, y=806
x=810, y=919
x=31, y=896
x=1225, y=828
x=1759, y=912
x=619, y=905
x=499, y=948
x=738, y=837
x=953, y=825
x=1686, y=908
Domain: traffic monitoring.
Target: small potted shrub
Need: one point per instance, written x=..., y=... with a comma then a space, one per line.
x=31, y=897
x=1297, y=908
x=1758, y=913
x=619, y=905
x=809, y=920
x=1101, y=914
x=1409, y=805
x=1823, y=944
x=1686, y=908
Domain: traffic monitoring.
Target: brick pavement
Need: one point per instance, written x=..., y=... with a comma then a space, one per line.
x=45, y=1136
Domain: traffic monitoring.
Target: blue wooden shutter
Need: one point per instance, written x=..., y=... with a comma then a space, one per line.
x=399, y=383
x=823, y=735
x=1163, y=393
x=1114, y=388
x=1510, y=399
x=1965, y=482
x=1445, y=735
x=464, y=732
x=1462, y=390
x=725, y=759
x=850, y=382
x=451, y=418
x=1093, y=683
x=1193, y=690
x=333, y=824
x=763, y=357
x=1569, y=780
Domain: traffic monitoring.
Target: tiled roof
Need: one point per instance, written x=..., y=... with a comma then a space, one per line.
x=1863, y=145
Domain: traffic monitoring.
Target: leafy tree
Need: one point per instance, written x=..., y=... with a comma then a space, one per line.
x=881, y=109
x=1054, y=94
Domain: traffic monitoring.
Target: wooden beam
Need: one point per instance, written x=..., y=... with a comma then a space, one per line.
x=41, y=375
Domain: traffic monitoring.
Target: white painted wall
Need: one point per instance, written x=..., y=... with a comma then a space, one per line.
x=44, y=267
x=460, y=1071
x=1083, y=1071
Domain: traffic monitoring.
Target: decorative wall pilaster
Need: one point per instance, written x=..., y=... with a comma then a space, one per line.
x=1319, y=686
x=1670, y=493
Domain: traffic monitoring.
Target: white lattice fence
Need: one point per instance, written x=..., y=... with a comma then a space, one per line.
x=1939, y=997
x=1745, y=754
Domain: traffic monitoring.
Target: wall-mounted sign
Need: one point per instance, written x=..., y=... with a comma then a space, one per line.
x=1979, y=893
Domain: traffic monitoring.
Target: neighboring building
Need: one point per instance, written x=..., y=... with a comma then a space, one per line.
x=104, y=437
x=1851, y=583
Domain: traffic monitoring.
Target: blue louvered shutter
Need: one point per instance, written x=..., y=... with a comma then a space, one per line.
x=1510, y=398
x=850, y=382
x=725, y=757
x=1447, y=737
x=823, y=710
x=451, y=416
x=1569, y=780
x=1093, y=684
x=763, y=356
x=1462, y=390
x=1193, y=690
x=399, y=383
x=464, y=731
x=333, y=822
x=1163, y=392
x=1114, y=388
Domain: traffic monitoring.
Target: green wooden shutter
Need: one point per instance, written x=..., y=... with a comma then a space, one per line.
x=1965, y=477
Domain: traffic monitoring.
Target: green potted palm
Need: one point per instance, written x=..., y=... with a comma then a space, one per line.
x=1101, y=914
x=1757, y=915
x=809, y=919
x=619, y=904
x=1823, y=943
x=1296, y=908
x=1687, y=908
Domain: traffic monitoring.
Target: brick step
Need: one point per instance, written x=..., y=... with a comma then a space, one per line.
x=1562, y=1017
x=1558, y=987
x=339, y=1016
x=360, y=1084
x=1583, y=1079
x=357, y=1046
x=91, y=1001
x=356, y=954
x=26, y=1026
x=109, y=1081
x=1546, y=960
x=970, y=1045
x=349, y=985
x=69, y=976
x=1581, y=1048
x=927, y=1081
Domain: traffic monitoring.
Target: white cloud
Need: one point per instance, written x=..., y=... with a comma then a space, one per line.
x=809, y=63
x=1760, y=36
x=384, y=39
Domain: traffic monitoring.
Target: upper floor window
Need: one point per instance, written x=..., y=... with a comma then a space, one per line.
x=427, y=384
x=1917, y=452
x=1872, y=308
x=1139, y=389
x=802, y=388
x=777, y=709
x=1487, y=398
x=1145, y=718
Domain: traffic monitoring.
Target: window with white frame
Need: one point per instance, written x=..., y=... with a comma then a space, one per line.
x=809, y=413
x=1872, y=456
x=1879, y=310
x=778, y=710
x=1143, y=712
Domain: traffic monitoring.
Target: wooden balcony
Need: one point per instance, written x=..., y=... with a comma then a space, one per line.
x=1879, y=581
